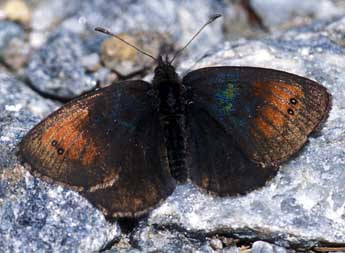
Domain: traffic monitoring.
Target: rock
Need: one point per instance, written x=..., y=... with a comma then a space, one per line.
x=8, y=32
x=49, y=14
x=37, y=39
x=153, y=16
x=57, y=68
x=264, y=247
x=335, y=31
x=20, y=108
x=290, y=13
x=15, y=96
x=91, y=62
x=149, y=239
x=105, y=77
x=167, y=16
x=114, y=51
x=216, y=244
x=36, y=216
x=125, y=60
x=17, y=54
x=238, y=21
x=17, y=10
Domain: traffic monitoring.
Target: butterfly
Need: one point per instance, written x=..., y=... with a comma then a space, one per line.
x=226, y=129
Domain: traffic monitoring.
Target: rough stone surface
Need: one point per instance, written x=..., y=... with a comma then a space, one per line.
x=16, y=54
x=124, y=16
x=165, y=16
x=124, y=60
x=8, y=31
x=277, y=14
x=57, y=69
x=264, y=247
x=18, y=11
x=48, y=14
x=15, y=95
x=131, y=17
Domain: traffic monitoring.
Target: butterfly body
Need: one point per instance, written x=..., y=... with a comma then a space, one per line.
x=170, y=93
x=226, y=129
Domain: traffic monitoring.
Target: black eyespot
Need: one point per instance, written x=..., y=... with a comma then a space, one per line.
x=54, y=143
x=293, y=101
x=291, y=112
x=60, y=151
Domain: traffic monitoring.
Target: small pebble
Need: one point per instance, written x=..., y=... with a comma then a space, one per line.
x=16, y=56
x=9, y=31
x=125, y=60
x=104, y=77
x=114, y=50
x=91, y=62
x=229, y=241
x=37, y=39
x=265, y=247
x=216, y=244
x=17, y=10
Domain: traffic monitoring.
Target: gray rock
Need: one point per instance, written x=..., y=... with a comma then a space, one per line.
x=264, y=247
x=15, y=96
x=36, y=216
x=160, y=16
x=176, y=17
x=149, y=239
x=48, y=14
x=16, y=54
x=277, y=14
x=8, y=32
x=216, y=244
x=57, y=68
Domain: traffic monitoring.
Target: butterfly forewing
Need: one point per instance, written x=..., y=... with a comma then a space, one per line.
x=265, y=115
x=101, y=146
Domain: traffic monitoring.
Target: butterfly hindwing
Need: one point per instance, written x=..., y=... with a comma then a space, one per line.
x=100, y=146
x=265, y=114
x=217, y=164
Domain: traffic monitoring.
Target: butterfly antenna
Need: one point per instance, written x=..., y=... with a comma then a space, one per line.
x=105, y=31
x=212, y=18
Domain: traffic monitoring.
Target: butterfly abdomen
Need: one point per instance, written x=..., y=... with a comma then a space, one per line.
x=174, y=135
x=173, y=123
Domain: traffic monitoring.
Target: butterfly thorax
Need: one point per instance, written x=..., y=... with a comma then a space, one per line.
x=169, y=89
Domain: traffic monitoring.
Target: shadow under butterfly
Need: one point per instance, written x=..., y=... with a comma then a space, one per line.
x=225, y=129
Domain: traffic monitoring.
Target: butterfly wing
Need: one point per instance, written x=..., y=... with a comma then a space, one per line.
x=263, y=117
x=106, y=145
x=218, y=165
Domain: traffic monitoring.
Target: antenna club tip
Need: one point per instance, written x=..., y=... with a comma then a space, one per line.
x=215, y=16
x=100, y=29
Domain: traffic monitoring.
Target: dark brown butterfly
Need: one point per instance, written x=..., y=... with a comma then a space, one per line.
x=226, y=129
